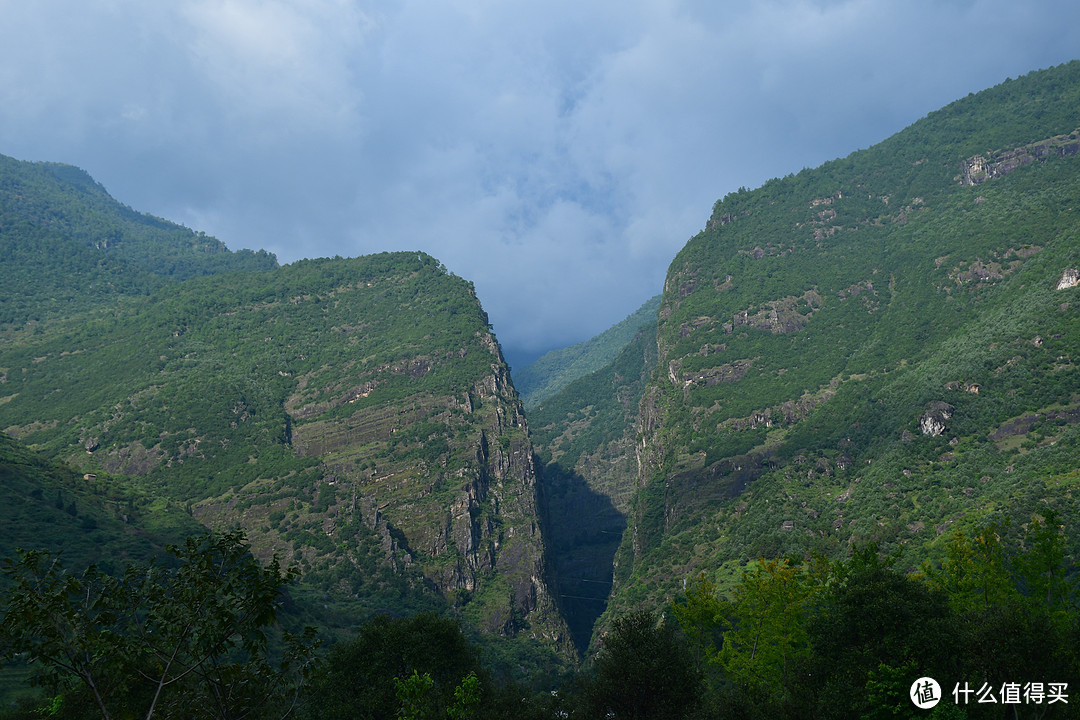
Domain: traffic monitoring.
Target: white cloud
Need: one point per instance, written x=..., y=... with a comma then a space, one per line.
x=556, y=153
x=268, y=59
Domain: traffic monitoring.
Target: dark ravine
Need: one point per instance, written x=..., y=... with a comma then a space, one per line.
x=586, y=437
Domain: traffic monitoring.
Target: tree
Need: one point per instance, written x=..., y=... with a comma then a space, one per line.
x=701, y=615
x=754, y=640
x=975, y=572
x=466, y=698
x=643, y=671
x=412, y=667
x=189, y=639
x=416, y=695
x=873, y=620
x=1013, y=599
x=766, y=630
x=1042, y=566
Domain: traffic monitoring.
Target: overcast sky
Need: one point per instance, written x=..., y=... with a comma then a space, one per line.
x=557, y=153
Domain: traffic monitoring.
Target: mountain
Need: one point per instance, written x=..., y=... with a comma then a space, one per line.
x=556, y=369
x=878, y=350
x=354, y=416
x=66, y=244
x=91, y=518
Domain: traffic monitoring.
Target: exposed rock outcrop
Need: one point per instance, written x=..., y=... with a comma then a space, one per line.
x=932, y=421
x=786, y=315
x=981, y=168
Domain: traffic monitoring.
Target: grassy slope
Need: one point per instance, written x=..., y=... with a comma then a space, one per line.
x=552, y=372
x=891, y=285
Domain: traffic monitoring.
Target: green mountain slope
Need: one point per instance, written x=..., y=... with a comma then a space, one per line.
x=90, y=518
x=876, y=350
x=355, y=416
x=555, y=370
x=65, y=244
x=86, y=518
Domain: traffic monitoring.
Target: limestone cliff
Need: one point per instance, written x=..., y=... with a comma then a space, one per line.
x=355, y=417
x=841, y=350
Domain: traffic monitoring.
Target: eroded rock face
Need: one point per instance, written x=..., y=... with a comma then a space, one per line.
x=1069, y=278
x=132, y=459
x=786, y=315
x=707, y=377
x=932, y=422
x=981, y=168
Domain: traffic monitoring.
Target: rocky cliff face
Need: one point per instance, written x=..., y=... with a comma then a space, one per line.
x=355, y=417
x=980, y=168
x=446, y=482
x=466, y=520
x=839, y=351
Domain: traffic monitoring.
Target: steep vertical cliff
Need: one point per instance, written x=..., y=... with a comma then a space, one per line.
x=877, y=350
x=842, y=353
x=354, y=416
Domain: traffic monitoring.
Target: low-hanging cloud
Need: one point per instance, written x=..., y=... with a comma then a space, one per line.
x=558, y=154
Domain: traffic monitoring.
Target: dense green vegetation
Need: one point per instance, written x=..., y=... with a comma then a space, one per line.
x=101, y=519
x=65, y=245
x=213, y=361
x=548, y=375
x=189, y=639
x=992, y=613
x=991, y=619
x=353, y=416
x=598, y=409
x=807, y=330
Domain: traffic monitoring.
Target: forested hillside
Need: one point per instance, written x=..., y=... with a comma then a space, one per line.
x=878, y=350
x=556, y=369
x=91, y=518
x=354, y=416
x=66, y=245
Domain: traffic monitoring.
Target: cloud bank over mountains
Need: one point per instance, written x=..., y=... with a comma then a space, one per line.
x=557, y=154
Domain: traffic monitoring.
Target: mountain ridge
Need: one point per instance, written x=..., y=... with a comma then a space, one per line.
x=354, y=416
x=556, y=369
x=887, y=283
